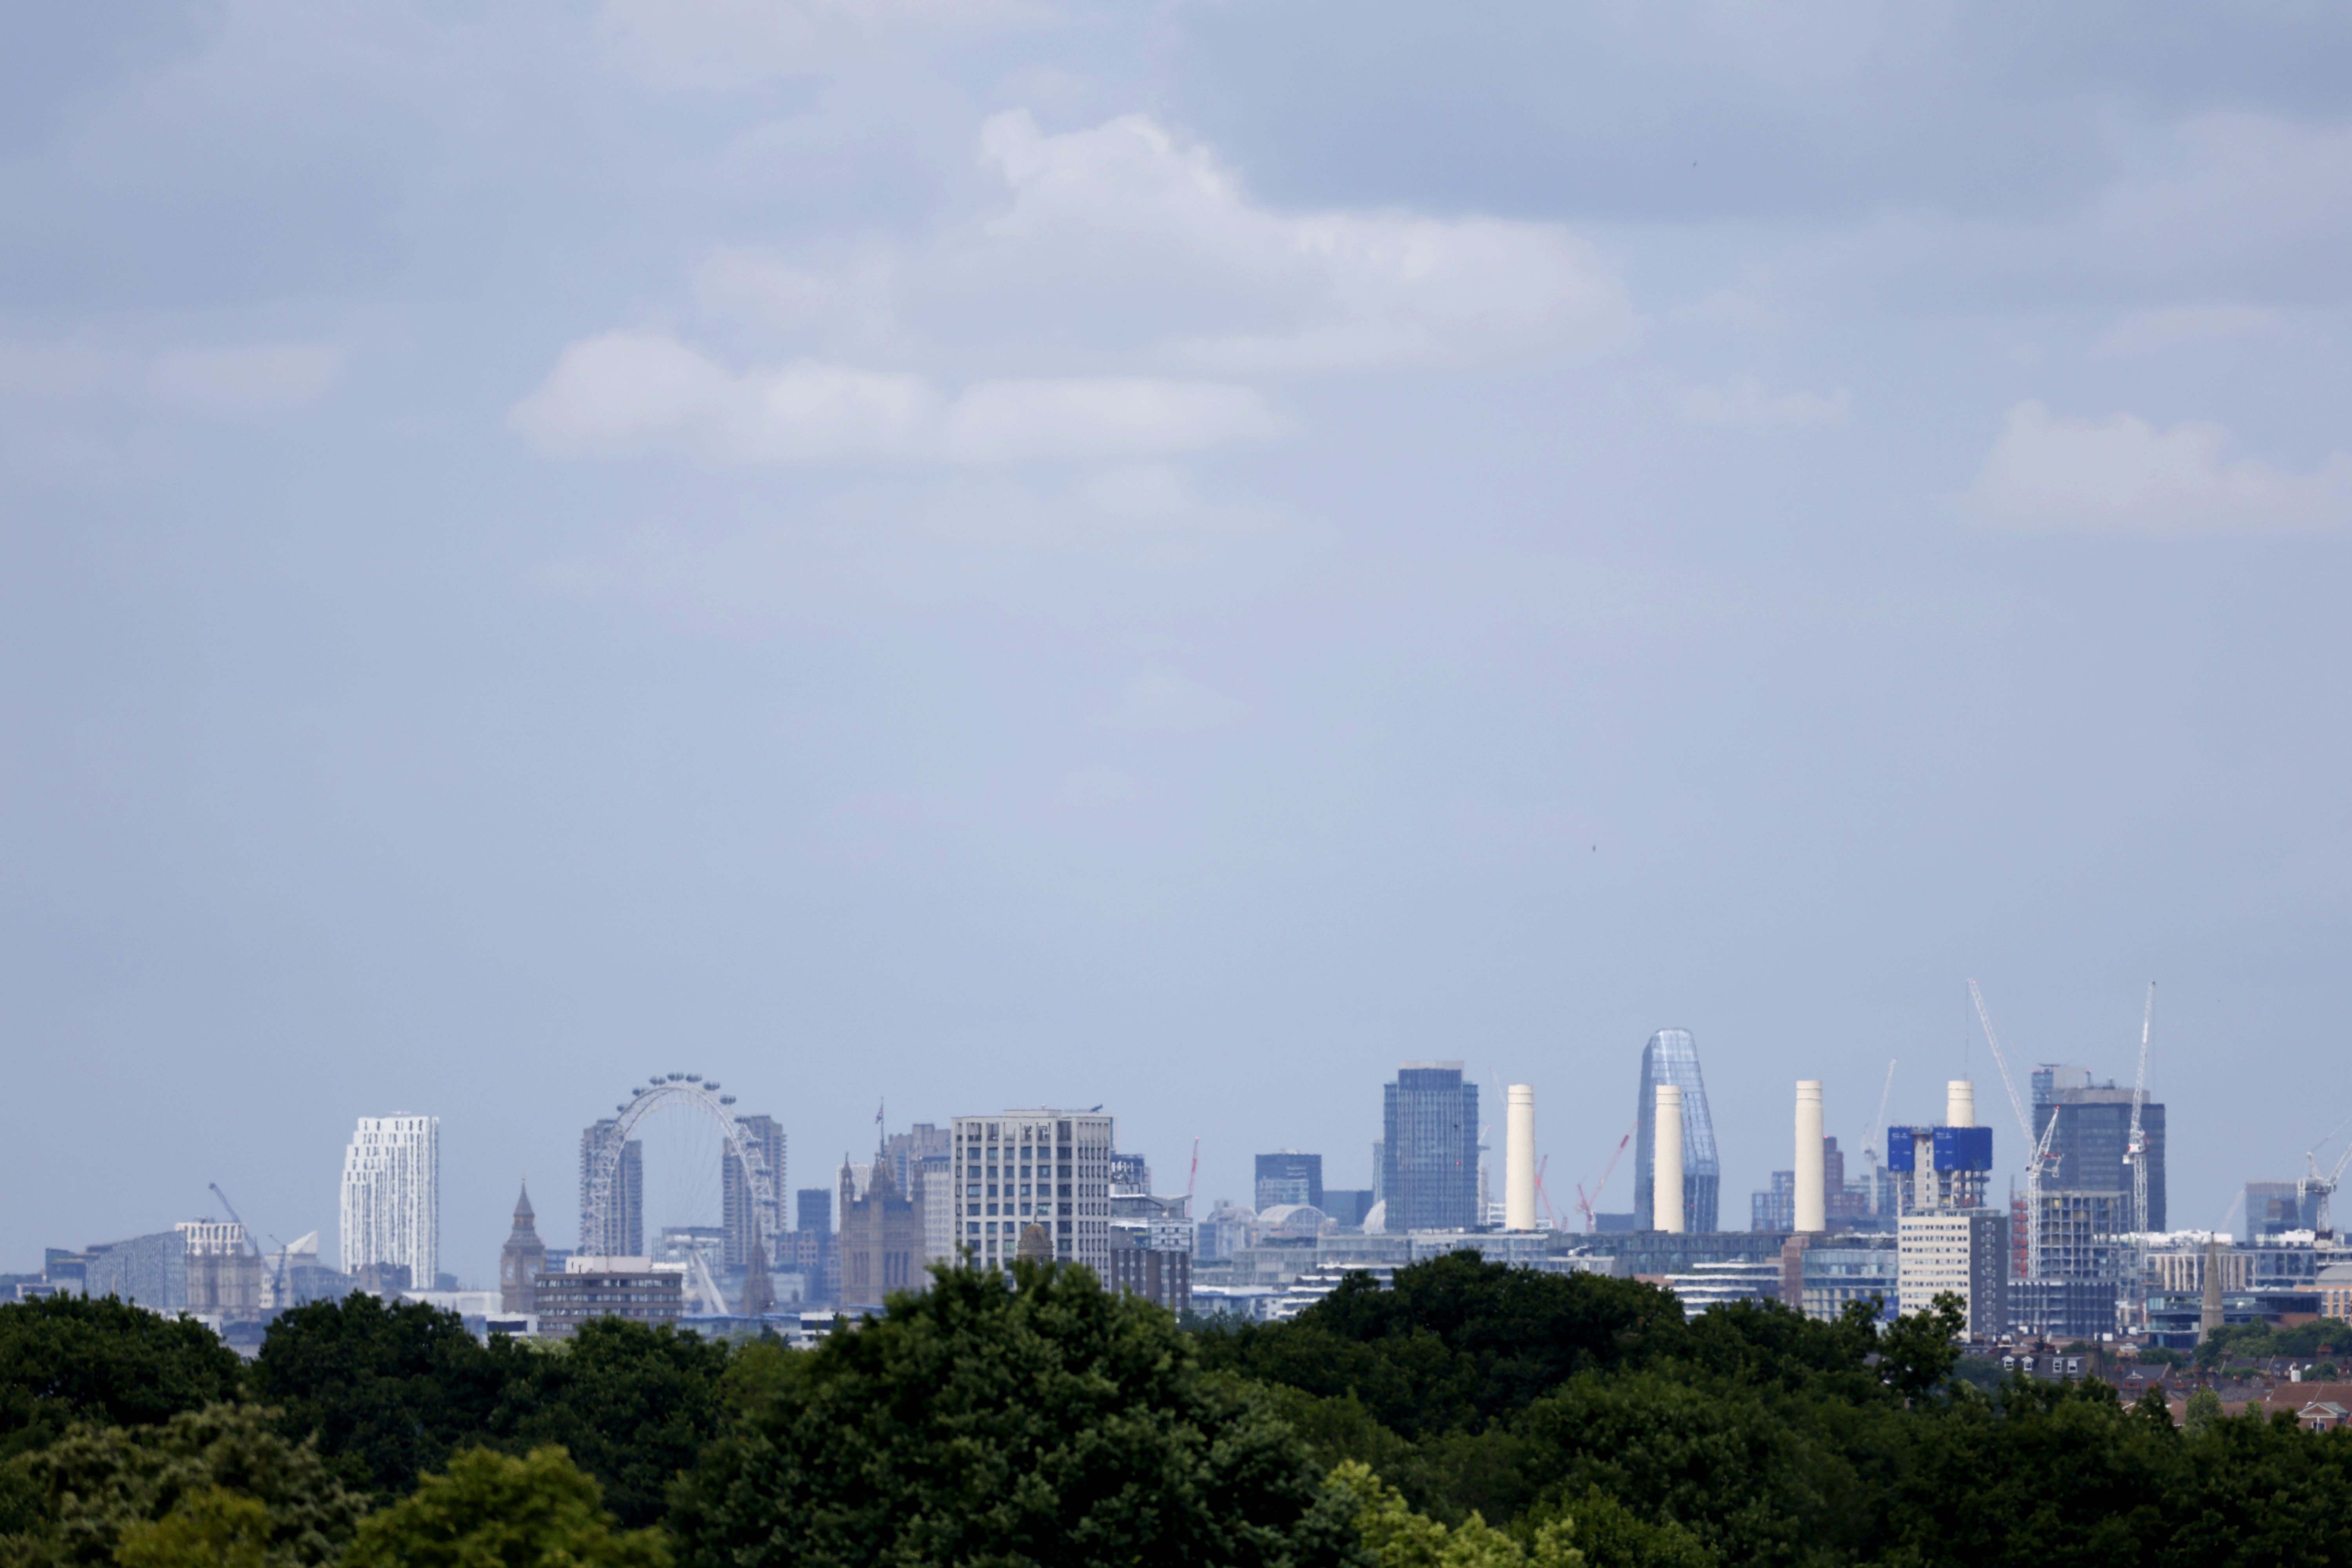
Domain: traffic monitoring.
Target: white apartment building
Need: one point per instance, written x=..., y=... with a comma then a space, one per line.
x=1050, y=1168
x=392, y=1196
x=1963, y=1251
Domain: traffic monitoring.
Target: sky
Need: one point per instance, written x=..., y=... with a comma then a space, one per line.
x=943, y=557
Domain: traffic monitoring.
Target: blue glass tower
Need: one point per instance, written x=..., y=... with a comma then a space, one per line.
x=1671, y=1057
x=1429, y=1156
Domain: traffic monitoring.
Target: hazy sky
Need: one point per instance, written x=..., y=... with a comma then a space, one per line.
x=1170, y=555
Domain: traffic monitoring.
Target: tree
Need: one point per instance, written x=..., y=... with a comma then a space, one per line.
x=1399, y=1538
x=390, y=1390
x=490, y=1509
x=67, y=1359
x=1456, y=1341
x=214, y=1527
x=1040, y=1420
x=97, y=1487
x=633, y=1405
x=2204, y=1410
x=1918, y=1349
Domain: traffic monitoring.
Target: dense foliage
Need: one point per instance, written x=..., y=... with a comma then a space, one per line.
x=1473, y=1416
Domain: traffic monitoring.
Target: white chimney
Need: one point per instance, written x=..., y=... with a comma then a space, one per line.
x=1667, y=1168
x=1520, y=1159
x=1960, y=1103
x=1812, y=1180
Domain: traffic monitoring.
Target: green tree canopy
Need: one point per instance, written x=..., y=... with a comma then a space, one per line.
x=493, y=1510
x=97, y=1485
x=69, y=1359
x=390, y=1390
x=1042, y=1420
x=633, y=1405
x=1456, y=1343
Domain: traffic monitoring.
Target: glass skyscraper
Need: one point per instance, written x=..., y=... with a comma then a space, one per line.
x=1429, y=1157
x=1671, y=1057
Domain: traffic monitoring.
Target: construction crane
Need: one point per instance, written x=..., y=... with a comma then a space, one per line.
x=1551, y=1221
x=278, y=1291
x=1869, y=1149
x=1194, y=1179
x=2037, y=1163
x=2322, y=1188
x=1585, y=1204
x=2135, y=1155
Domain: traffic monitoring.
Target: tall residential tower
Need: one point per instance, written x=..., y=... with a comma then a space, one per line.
x=392, y=1196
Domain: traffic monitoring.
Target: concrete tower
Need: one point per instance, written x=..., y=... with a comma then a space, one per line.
x=1813, y=1192
x=1666, y=1184
x=1520, y=1159
x=1960, y=1103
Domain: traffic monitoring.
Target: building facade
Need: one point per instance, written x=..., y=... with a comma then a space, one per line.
x=521, y=1259
x=2094, y=1126
x=1051, y=1167
x=1162, y=1277
x=1289, y=1177
x=391, y=1195
x=628, y=1288
x=881, y=1239
x=224, y=1271
x=1962, y=1251
x=604, y=1156
x=738, y=1203
x=1429, y=1149
x=1671, y=1055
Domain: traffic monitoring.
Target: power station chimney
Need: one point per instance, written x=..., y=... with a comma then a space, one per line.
x=1960, y=1103
x=1520, y=1159
x=1666, y=1163
x=1813, y=1178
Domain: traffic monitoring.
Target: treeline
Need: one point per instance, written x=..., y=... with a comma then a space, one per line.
x=1472, y=1416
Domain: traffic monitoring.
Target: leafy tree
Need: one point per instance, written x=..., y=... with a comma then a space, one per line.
x=632, y=1404
x=1456, y=1343
x=2204, y=1410
x=1040, y=1420
x=390, y=1390
x=493, y=1510
x=1918, y=1351
x=214, y=1527
x=69, y=1359
x=1399, y=1538
x=98, y=1485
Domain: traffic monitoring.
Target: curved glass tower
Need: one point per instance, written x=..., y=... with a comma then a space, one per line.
x=1671, y=1057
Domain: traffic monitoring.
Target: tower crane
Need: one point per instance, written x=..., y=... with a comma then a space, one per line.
x=1869, y=1149
x=278, y=1292
x=1194, y=1179
x=2037, y=1163
x=1584, y=1203
x=2323, y=1187
x=2135, y=1155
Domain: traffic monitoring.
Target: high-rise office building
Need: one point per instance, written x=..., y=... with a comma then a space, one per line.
x=2275, y=1206
x=1429, y=1150
x=391, y=1195
x=1130, y=1174
x=2094, y=1126
x=1047, y=1167
x=1670, y=1056
x=737, y=1202
x=1289, y=1177
x=605, y=1160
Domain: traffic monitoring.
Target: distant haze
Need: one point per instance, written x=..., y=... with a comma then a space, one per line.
x=1167, y=555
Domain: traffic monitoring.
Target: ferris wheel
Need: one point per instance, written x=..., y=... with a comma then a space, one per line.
x=600, y=1181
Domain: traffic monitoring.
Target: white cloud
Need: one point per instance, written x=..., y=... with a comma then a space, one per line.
x=249, y=381
x=2123, y=475
x=626, y=392
x=1164, y=701
x=1745, y=401
x=1127, y=216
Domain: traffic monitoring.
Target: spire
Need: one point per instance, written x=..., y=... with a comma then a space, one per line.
x=522, y=1205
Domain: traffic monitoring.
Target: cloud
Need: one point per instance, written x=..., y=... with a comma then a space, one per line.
x=2123, y=475
x=633, y=393
x=1164, y=701
x=251, y=381
x=1744, y=401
